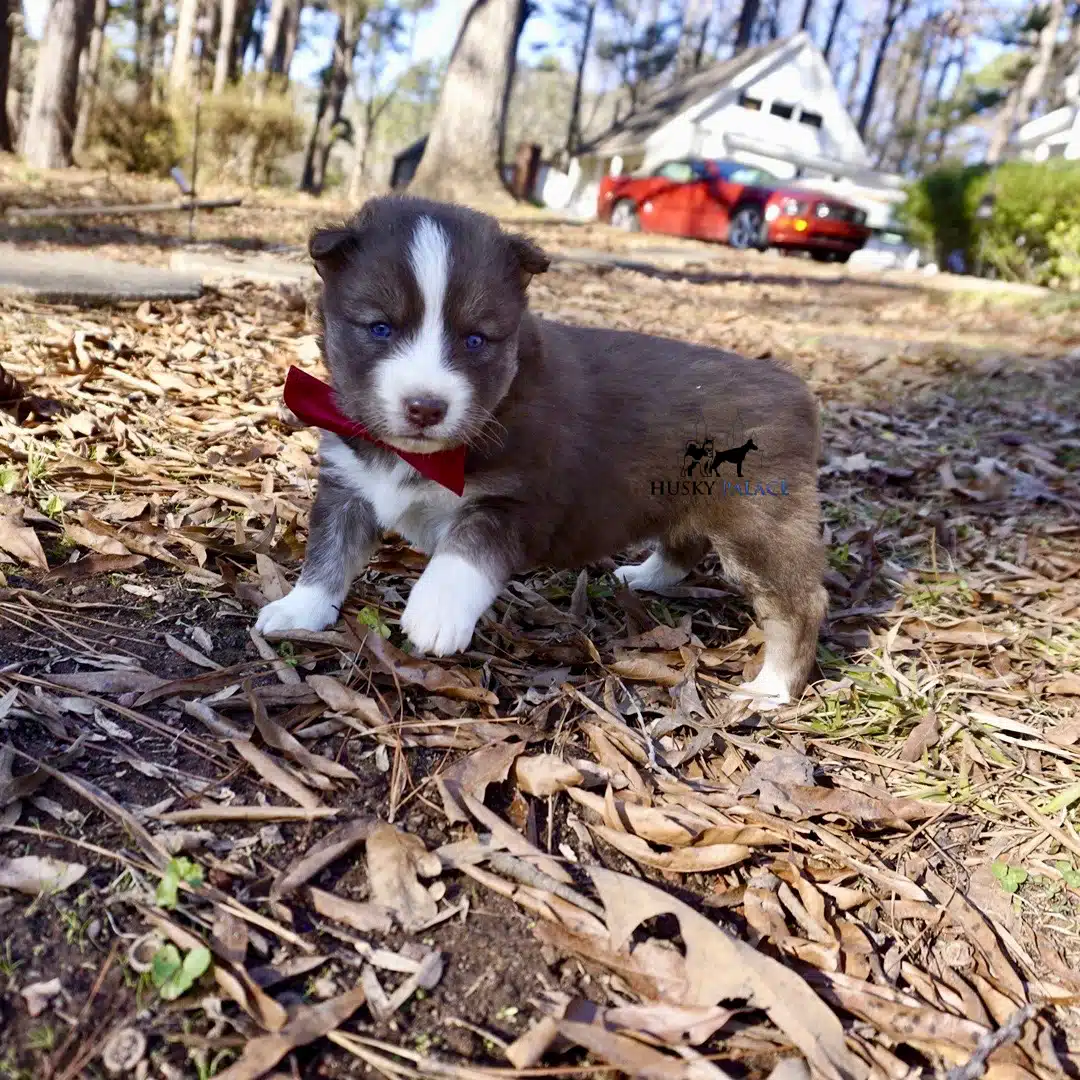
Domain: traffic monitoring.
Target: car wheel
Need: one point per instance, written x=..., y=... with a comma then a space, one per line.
x=624, y=216
x=821, y=256
x=745, y=228
x=842, y=256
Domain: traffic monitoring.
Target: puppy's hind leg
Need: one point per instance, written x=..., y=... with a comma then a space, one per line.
x=782, y=573
x=665, y=567
x=340, y=540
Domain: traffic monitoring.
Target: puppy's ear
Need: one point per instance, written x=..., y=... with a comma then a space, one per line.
x=530, y=258
x=329, y=247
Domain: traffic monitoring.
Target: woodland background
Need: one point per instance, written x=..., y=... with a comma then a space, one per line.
x=320, y=94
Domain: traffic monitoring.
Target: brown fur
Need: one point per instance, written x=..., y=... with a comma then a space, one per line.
x=583, y=432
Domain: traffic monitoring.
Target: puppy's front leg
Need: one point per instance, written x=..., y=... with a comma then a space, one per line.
x=467, y=571
x=341, y=537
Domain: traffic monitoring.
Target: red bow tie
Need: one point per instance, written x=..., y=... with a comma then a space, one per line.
x=313, y=402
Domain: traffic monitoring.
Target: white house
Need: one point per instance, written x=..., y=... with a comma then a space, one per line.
x=775, y=106
x=1056, y=134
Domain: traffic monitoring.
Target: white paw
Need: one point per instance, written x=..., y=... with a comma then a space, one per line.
x=766, y=692
x=445, y=604
x=654, y=573
x=307, y=607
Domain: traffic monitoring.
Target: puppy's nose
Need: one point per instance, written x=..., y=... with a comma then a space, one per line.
x=425, y=412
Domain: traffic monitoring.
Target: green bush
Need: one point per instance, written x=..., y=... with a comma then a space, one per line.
x=137, y=136
x=940, y=209
x=1033, y=233
x=244, y=143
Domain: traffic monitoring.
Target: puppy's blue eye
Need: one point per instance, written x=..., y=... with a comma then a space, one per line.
x=380, y=330
x=474, y=342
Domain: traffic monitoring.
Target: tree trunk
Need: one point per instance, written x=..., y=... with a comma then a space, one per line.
x=16, y=90
x=180, y=68
x=50, y=126
x=271, y=33
x=361, y=138
x=8, y=28
x=91, y=76
x=958, y=59
x=893, y=13
x=331, y=101
x=226, y=46
x=1033, y=84
x=807, y=10
x=834, y=25
x=287, y=37
x=573, y=129
x=744, y=31
x=929, y=54
x=247, y=36
x=463, y=153
x=694, y=27
x=150, y=14
x=1003, y=127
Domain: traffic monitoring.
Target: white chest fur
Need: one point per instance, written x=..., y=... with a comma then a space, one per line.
x=419, y=512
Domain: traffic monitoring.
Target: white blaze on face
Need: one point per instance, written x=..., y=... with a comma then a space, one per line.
x=418, y=367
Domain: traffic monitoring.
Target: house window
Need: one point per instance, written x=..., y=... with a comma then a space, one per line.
x=811, y=118
x=784, y=111
x=748, y=102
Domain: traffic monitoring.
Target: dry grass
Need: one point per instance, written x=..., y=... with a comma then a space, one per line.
x=898, y=850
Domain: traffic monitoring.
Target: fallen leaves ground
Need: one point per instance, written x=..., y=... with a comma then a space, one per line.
x=567, y=851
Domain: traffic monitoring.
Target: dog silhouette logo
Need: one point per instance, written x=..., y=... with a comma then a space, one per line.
x=701, y=465
x=736, y=455
x=695, y=454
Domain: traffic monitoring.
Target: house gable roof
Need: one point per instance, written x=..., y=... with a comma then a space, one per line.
x=664, y=106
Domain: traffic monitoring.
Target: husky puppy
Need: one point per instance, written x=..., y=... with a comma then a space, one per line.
x=574, y=442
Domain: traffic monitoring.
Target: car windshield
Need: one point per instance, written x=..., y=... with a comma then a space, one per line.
x=735, y=173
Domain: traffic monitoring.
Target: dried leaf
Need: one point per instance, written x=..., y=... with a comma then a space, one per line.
x=545, y=774
x=310, y=1022
x=92, y=566
x=278, y=738
x=722, y=968
x=34, y=874
x=87, y=538
x=676, y=1025
x=120, y=681
x=923, y=736
x=635, y=1058
x=472, y=774
x=21, y=543
x=366, y=918
x=646, y=669
x=415, y=671
x=330, y=848
x=188, y=653
x=1068, y=684
x=394, y=859
x=686, y=860
x=342, y=699
x=276, y=775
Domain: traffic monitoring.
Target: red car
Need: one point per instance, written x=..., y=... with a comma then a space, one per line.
x=741, y=204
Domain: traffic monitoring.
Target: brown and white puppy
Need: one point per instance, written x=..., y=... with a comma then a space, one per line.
x=578, y=442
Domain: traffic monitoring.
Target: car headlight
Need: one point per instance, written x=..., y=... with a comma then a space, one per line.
x=772, y=212
x=793, y=207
